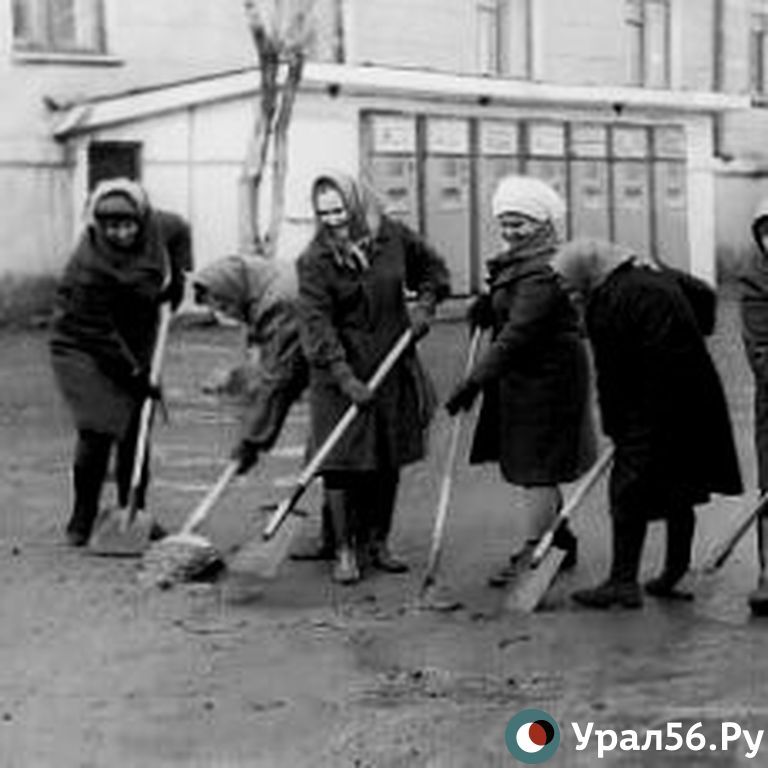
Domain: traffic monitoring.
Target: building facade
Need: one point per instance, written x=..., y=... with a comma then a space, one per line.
x=645, y=114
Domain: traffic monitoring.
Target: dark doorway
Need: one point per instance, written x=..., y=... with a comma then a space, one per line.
x=113, y=159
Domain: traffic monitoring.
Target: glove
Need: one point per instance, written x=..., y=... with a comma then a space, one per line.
x=357, y=391
x=246, y=453
x=421, y=322
x=480, y=312
x=462, y=397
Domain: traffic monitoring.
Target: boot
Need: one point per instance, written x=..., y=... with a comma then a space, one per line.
x=89, y=472
x=621, y=588
x=383, y=507
x=346, y=571
x=758, y=598
x=680, y=528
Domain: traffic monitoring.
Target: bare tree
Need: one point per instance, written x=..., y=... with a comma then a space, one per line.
x=282, y=31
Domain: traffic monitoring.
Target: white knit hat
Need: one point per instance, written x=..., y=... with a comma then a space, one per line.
x=529, y=196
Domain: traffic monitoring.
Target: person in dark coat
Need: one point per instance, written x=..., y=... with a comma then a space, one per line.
x=535, y=418
x=754, y=322
x=263, y=295
x=352, y=282
x=662, y=404
x=129, y=259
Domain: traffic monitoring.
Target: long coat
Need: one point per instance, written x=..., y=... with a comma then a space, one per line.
x=535, y=416
x=106, y=317
x=350, y=320
x=754, y=318
x=660, y=396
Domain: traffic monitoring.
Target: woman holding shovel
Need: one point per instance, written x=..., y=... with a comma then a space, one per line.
x=535, y=418
x=128, y=261
x=661, y=403
x=352, y=282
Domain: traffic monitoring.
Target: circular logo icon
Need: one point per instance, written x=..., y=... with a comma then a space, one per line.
x=532, y=736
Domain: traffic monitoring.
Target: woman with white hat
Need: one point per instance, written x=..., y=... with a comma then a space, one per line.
x=535, y=418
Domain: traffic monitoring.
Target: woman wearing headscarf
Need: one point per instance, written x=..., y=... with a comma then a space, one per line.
x=661, y=403
x=129, y=259
x=352, y=282
x=535, y=417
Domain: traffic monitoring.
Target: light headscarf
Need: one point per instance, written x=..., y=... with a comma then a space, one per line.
x=586, y=263
x=530, y=196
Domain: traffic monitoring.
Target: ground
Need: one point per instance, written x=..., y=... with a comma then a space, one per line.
x=96, y=670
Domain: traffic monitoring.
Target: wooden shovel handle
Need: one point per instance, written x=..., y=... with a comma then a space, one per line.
x=203, y=509
x=333, y=438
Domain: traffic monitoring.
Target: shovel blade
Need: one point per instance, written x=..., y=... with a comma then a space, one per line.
x=113, y=536
x=530, y=588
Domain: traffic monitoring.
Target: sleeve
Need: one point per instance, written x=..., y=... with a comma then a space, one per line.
x=527, y=320
x=280, y=381
x=319, y=337
x=426, y=273
x=178, y=243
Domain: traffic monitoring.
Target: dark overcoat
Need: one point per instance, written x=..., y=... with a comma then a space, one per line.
x=535, y=416
x=661, y=399
x=106, y=318
x=350, y=319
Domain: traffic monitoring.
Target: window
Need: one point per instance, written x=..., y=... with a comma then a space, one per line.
x=758, y=47
x=113, y=159
x=648, y=42
x=58, y=26
x=504, y=36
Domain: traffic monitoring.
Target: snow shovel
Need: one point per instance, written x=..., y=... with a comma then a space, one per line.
x=726, y=548
x=186, y=555
x=126, y=531
x=441, y=516
x=545, y=562
x=261, y=557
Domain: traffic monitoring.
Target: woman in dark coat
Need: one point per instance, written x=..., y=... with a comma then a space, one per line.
x=352, y=282
x=129, y=260
x=535, y=419
x=663, y=406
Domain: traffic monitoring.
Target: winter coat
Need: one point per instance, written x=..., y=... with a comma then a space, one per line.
x=754, y=322
x=106, y=314
x=351, y=318
x=661, y=399
x=535, y=415
x=263, y=295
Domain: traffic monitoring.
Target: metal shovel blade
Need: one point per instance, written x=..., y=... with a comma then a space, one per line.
x=115, y=536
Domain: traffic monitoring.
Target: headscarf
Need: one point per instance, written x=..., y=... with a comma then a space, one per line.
x=585, y=263
x=365, y=214
x=247, y=282
x=146, y=266
x=529, y=196
x=537, y=200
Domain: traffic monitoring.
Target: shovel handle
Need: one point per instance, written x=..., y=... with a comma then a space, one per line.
x=730, y=544
x=583, y=489
x=278, y=518
x=447, y=480
x=147, y=408
x=202, y=510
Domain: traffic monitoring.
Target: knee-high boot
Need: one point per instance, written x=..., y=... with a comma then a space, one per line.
x=340, y=504
x=89, y=471
x=621, y=589
x=680, y=528
x=383, y=512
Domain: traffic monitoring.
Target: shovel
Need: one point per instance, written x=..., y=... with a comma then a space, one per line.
x=126, y=531
x=261, y=557
x=441, y=516
x=530, y=588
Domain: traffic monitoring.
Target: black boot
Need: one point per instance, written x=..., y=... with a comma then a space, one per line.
x=89, y=472
x=680, y=528
x=621, y=588
x=383, y=508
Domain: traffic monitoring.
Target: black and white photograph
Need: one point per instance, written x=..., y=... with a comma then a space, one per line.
x=383, y=384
